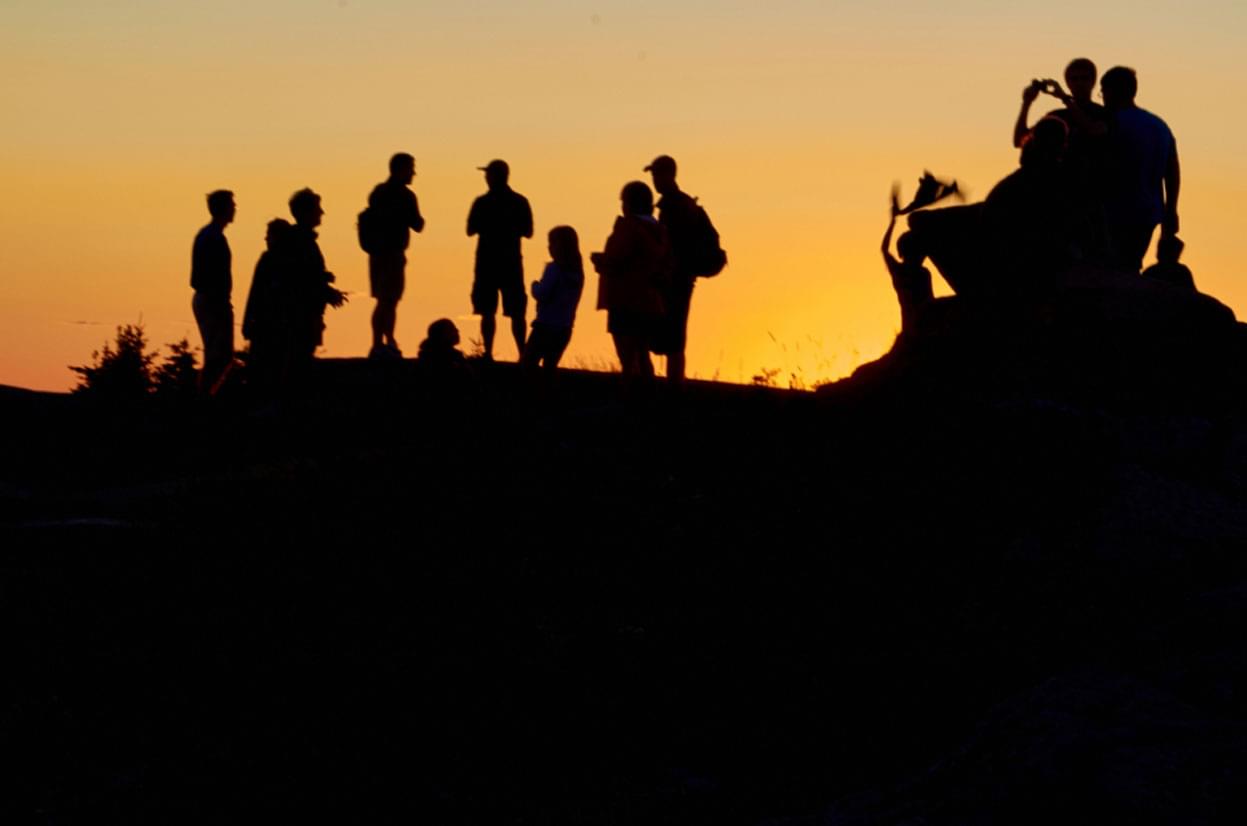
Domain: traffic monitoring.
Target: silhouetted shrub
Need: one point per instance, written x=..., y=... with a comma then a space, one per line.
x=126, y=371
x=176, y=377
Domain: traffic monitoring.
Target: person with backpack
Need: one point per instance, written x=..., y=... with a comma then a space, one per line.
x=695, y=245
x=384, y=233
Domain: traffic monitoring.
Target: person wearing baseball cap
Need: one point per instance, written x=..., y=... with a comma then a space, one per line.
x=499, y=219
x=691, y=232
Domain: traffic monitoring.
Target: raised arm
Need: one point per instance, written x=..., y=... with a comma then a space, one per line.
x=1028, y=97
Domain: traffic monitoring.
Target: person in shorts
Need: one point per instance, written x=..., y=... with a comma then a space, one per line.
x=398, y=213
x=500, y=219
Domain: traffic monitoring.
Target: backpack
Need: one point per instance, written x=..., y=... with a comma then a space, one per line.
x=368, y=226
x=708, y=259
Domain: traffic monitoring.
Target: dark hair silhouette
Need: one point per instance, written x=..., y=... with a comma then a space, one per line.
x=220, y=203
x=1080, y=64
x=1120, y=84
x=439, y=347
x=400, y=162
x=304, y=203
x=1045, y=143
x=910, y=248
x=638, y=198
x=565, y=248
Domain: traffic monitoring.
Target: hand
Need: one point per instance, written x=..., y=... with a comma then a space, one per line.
x=336, y=298
x=1032, y=91
x=1053, y=88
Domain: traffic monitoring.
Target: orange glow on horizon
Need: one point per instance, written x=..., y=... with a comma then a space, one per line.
x=789, y=124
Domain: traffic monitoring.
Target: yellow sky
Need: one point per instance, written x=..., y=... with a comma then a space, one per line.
x=789, y=119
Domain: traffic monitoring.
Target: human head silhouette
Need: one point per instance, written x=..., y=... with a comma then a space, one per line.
x=305, y=207
x=564, y=247
x=221, y=206
x=637, y=199
x=1119, y=86
x=277, y=232
x=1045, y=143
x=443, y=334
x=1080, y=79
x=496, y=174
x=910, y=249
x=662, y=170
x=402, y=168
x=1169, y=249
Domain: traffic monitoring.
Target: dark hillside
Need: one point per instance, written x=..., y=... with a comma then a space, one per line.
x=882, y=604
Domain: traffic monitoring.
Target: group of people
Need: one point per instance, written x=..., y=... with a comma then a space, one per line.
x=647, y=272
x=1093, y=184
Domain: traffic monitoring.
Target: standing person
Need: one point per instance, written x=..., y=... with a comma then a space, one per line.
x=693, y=241
x=500, y=219
x=308, y=282
x=1144, y=172
x=557, y=295
x=213, y=282
x=394, y=214
x=264, y=320
x=633, y=268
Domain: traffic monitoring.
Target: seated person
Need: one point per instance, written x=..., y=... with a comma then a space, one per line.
x=1167, y=269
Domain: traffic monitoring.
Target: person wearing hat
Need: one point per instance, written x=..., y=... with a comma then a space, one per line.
x=399, y=215
x=679, y=213
x=499, y=219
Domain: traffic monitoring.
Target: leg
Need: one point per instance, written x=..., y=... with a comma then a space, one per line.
x=383, y=317
x=681, y=299
x=488, y=326
x=533, y=349
x=624, y=352
x=517, y=330
x=559, y=339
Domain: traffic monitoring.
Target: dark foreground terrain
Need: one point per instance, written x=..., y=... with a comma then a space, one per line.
x=884, y=603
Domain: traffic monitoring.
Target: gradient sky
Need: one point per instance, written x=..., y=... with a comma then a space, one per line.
x=790, y=119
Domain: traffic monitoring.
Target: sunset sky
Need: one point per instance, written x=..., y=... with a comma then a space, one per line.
x=790, y=119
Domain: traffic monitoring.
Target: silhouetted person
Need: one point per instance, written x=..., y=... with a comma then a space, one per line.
x=1167, y=268
x=444, y=371
x=634, y=268
x=1087, y=120
x=265, y=321
x=440, y=347
x=1027, y=224
x=396, y=213
x=500, y=219
x=309, y=282
x=1142, y=190
x=691, y=233
x=557, y=295
x=910, y=280
x=213, y=283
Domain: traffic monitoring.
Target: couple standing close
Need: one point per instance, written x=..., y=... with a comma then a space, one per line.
x=648, y=269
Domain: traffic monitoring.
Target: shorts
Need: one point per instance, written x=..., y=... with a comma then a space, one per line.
x=509, y=281
x=386, y=275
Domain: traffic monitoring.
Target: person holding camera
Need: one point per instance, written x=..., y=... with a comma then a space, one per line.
x=1087, y=120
